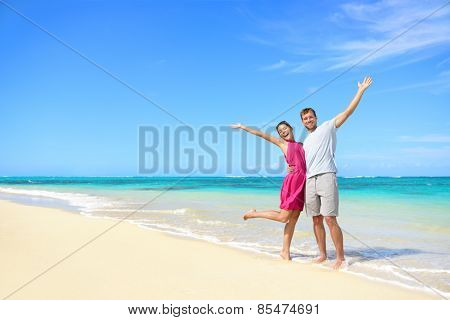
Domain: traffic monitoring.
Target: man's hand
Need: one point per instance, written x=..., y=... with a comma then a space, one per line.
x=362, y=86
x=290, y=169
x=365, y=84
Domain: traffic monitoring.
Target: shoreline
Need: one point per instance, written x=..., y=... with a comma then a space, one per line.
x=130, y=262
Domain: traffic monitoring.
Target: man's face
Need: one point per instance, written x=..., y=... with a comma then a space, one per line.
x=309, y=121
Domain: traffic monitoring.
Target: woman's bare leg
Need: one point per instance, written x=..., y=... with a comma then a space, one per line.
x=289, y=229
x=280, y=216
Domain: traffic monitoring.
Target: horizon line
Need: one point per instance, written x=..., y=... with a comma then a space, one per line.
x=212, y=176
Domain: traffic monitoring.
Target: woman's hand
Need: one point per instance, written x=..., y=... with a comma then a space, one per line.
x=237, y=126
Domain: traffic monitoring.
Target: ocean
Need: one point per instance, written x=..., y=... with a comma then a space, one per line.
x=396, y=229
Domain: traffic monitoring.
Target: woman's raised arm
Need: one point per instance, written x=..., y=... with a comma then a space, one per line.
x=258, y=133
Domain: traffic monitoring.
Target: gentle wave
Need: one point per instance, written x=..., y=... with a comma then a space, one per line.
x=180, y=211
x=359, y=177
x=400, y=284
x=212, y=222
x=407, y=269
x=84, y=201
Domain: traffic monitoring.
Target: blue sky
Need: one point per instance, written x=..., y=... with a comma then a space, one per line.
x=216, y=63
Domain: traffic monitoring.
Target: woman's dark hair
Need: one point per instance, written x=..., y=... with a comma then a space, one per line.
x=285, y=123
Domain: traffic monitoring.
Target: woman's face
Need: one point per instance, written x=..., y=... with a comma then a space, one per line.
x=285, y=132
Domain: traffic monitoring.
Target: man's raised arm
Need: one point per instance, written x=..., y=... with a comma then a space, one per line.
x=362, y=86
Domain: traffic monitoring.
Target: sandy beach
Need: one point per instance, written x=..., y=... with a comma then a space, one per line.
x=128, y=262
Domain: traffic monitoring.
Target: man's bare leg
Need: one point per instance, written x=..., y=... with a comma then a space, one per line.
x=338, y=240
x=289, y=229
x=319, y=232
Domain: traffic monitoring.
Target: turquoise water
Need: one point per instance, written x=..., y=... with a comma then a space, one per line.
x=395, y=229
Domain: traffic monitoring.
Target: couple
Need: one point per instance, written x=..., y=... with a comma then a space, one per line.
x=311, y=175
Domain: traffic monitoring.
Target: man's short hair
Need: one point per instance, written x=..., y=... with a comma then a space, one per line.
x=306, y=110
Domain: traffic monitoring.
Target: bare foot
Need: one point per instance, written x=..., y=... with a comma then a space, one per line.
x=320, y=259
x=248, y=214
x=338, y=264
x=285, y=255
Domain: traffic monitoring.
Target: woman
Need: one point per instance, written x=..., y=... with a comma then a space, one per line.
x=292, y=192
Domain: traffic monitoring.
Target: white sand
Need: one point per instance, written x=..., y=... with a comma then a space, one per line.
x=129, y=262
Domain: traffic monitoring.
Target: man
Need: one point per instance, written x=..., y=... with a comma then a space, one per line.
x=321, y=184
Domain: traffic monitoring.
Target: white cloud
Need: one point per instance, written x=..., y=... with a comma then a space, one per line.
x=393, y=16
x=366, y=157
x=352, y=52
x=294, y=67
x=426, y=138
x=304, y=67
x=275, y=66
x=359, y=29
x=385, y=20
x=429, y=153
x=443, y=62
x=440, y=84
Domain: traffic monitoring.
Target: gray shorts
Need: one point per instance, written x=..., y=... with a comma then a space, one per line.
x=322, y=195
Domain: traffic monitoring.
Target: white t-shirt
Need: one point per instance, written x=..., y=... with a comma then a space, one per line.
x=320, y=146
